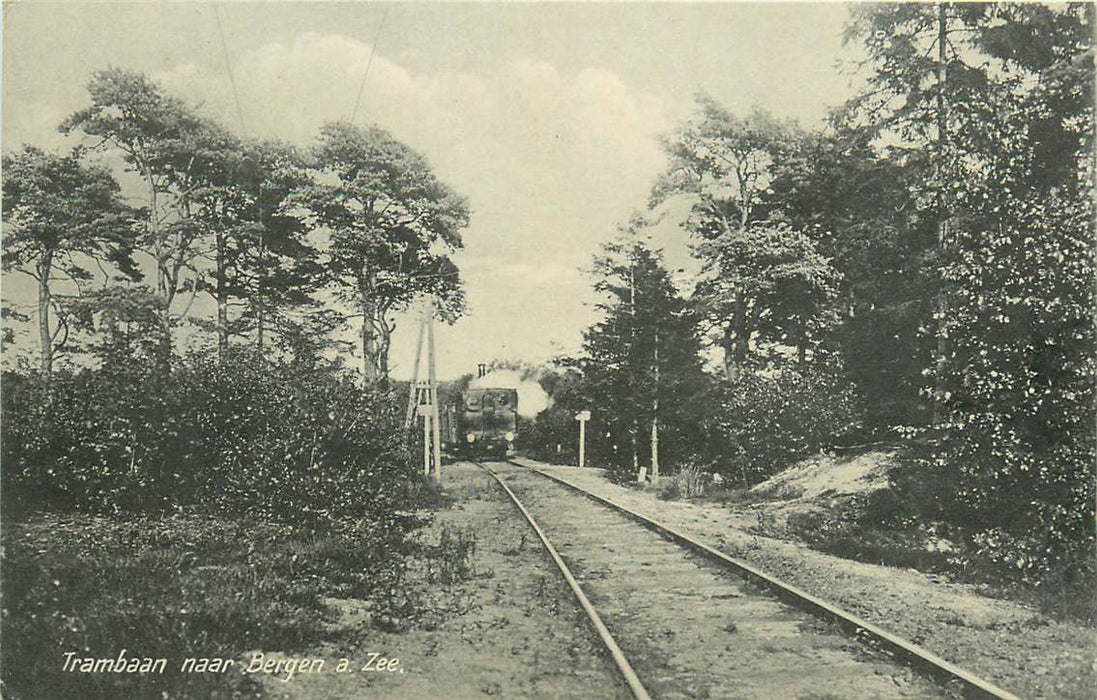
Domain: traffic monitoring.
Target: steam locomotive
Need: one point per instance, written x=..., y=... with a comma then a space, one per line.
x=480, y=423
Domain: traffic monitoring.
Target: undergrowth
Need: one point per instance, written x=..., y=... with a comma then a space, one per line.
x=192, y=586
x=886, y=527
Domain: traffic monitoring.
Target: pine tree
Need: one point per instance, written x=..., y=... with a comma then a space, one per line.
x=61, y=215
x=393, y=225
x=173, y=151
x=641, y=367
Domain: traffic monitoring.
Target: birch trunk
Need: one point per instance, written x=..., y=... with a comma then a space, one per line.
x=655, y=417
x=45, y=267
x=222, y=301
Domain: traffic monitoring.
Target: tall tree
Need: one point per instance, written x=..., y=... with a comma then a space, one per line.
x=858, y=201
x=61, y=215
x=393, y=225
x=641, y=364
x=167, y=146
x=762, y=275
x=262, y=261
x=933, y=88
x=1006, y=131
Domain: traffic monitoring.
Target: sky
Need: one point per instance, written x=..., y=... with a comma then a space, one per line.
x=547, y=117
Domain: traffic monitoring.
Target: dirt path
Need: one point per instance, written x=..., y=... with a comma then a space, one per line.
x=514, y=629
x=1008, y=643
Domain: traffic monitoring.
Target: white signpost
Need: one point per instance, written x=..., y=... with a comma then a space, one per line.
x=582, y=417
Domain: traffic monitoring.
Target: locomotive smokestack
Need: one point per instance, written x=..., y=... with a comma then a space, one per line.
x=481, y=370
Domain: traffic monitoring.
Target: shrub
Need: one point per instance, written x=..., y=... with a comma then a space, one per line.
x=761, y=424
x=691, y=481
x=552, y=436
x=190, y=586
x=281, y=441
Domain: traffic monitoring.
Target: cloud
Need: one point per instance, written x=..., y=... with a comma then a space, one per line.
x=34, y=122
x=550, y=160
x=527, y=111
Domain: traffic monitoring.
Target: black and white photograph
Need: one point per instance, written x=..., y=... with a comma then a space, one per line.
x=579, y=350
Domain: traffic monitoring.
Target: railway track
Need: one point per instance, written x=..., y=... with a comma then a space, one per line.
x=683, y=620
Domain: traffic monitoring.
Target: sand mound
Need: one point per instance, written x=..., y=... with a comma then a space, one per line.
x=828, y=475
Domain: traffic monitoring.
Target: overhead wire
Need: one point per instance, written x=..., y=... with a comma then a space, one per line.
x=369, y=62
x=260, y=279
x=228, y=65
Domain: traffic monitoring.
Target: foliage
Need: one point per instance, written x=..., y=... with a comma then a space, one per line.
x=763, y=422
x=552, y=436
x=174, y=152
x=690, y=482
x=771, y=281
x=288, y=442
x=392, y=225
x=885, y=353
x=1006, y=129
x=59, y=205
x=641, y=367
x=855, y=199
x=256, y=239
x=121, y=325
x=1022, y=397
x=763, y=277
x=60, y=214
x=211, y=200
x=189, y=585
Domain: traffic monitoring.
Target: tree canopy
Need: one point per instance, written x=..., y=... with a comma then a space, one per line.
x=393, y=225
x=61, y=216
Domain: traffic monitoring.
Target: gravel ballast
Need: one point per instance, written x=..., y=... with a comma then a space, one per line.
x=1010, y=644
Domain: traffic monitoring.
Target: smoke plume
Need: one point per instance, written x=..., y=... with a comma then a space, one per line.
x=532, y=399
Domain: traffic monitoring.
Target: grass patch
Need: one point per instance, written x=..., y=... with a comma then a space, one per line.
x=178, y=587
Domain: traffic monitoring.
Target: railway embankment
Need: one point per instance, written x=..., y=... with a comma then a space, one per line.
x=1012, y=642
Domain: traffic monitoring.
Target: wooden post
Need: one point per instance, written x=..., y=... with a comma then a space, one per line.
x=582, y=441
x=436, y=428
x=582, y=417
x=413, y=391
x=426, y=443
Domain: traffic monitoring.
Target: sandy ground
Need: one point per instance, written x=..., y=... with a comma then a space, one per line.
x=1008, y=643
x=823, y=475
x=512, y=631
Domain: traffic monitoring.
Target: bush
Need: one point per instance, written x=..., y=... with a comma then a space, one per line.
x=552, y=437
x=1019, y=386
x=237, y=497
x=761, y=424
x=884, y=355
x=691, y=481
x=280, y=441
x=191, y=586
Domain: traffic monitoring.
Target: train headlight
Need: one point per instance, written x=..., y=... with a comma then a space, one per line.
x=471, y=438
x=509, y=436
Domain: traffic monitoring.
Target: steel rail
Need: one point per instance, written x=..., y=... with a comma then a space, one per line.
x=634, y=684
x=914, y=655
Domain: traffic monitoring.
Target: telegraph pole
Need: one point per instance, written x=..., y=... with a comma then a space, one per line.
x=655, y=419
x=423, y=398
x=432, y=393
x=413, y=389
